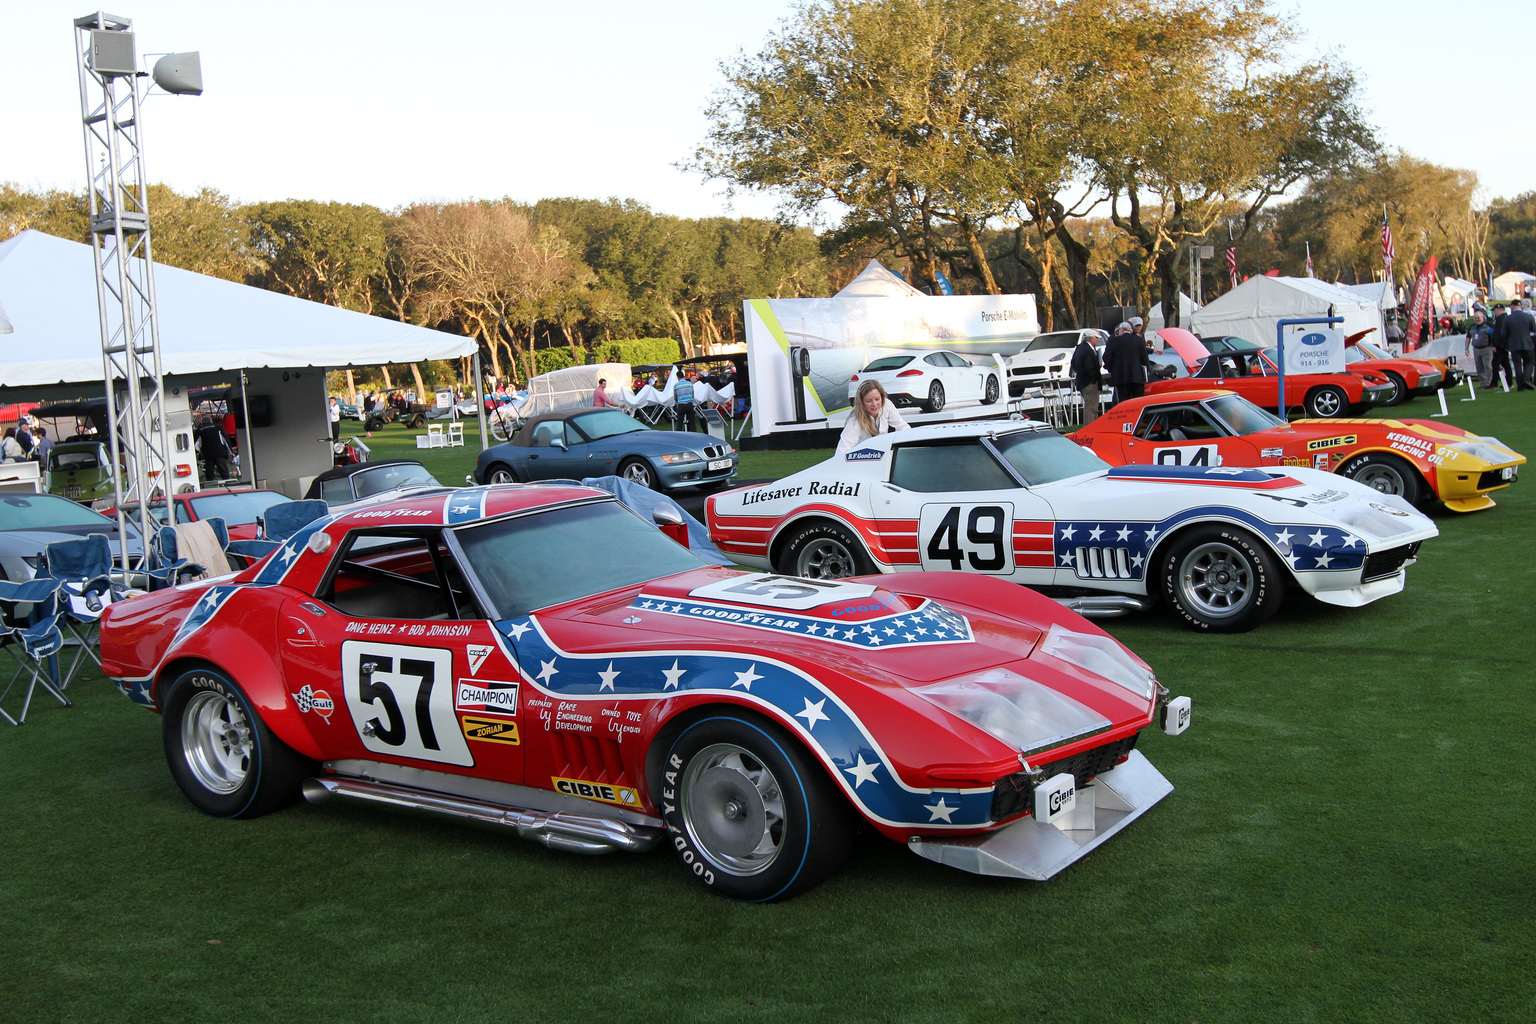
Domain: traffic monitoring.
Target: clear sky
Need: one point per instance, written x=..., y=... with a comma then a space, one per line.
x=387, y=102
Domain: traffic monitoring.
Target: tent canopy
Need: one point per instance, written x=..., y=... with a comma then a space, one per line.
x=207, y=325
x=1380, y=292
x=875, y=281
x=1155, y=320
x=1511, y=286
x=1253, y=309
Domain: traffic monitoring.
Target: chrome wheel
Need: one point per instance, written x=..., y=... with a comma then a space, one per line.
x=1326, y=402
x=1382, y=477
x=502, y=475
x=1216, y=580
x=637, y=471
x=217, y=741
x=733, y=809
x=825, y=558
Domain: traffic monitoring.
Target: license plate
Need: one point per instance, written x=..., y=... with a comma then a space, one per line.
x=1508, y=472
x=72, y=491
x=719, y=464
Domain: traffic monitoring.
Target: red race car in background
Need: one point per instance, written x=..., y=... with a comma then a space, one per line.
x=1409, y=377
x=1253, y=374
x=1417, y=459
x=469, y=653
x=238, y=507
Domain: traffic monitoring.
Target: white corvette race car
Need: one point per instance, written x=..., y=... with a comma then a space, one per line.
x=1018, y=500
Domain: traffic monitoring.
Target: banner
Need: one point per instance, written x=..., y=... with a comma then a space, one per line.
x=1418, y=307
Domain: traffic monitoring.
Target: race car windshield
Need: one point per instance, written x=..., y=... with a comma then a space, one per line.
x=1241, y=415
x=548, y=558
x=607, y=423
x=1370, y=351
x=1044, y=457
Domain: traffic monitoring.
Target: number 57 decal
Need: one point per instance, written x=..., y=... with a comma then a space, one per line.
x=401, y=701
x=974, y=537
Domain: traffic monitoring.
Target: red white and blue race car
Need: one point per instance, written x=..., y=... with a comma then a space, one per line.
x=1019, y=501
x=466, y=654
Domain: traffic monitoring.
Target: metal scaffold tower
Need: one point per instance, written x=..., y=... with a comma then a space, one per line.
x=125, y=283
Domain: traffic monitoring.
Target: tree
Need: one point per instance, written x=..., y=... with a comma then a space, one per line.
x=58, y=213
x=325, y=252
x=204, y=232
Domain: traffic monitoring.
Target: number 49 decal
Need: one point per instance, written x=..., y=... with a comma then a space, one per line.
x=974, y=537
x=401, y=701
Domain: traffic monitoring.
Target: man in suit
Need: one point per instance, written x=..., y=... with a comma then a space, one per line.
x=1126, y=359
x=1087, y=372
x=1520, y=330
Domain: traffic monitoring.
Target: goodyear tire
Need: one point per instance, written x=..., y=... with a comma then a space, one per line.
x=500, y=473
x=935, y=397
x=1387, y=474
x=989, y=396
x=1326, y=402
x=1399, y=388
x=1221, y=579
x=220, y=752
x=749, y=812
x=823, y=550
x=638, y=471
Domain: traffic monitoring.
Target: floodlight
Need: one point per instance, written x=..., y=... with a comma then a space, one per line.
x=180, y=74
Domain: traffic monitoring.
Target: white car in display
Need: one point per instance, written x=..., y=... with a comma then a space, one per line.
x=1049, y=357
x=930, y=379
x=1020, y=501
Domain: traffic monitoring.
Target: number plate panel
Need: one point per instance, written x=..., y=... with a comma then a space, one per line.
x=973, y=538
x=403, y=707
x=719, y=464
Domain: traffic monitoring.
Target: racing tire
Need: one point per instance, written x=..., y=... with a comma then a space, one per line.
x=638, y=471
x=824, y=550
x=501, y=473
x=1326, y=402
x=1400, y=392
x=990, y=393
x=1221, y=579
x=749, y=812
x=1387, y=474
x=221, y=754
x=935, y=400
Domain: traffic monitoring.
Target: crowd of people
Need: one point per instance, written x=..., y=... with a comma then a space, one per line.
x=1505, y=347
x=27, y=441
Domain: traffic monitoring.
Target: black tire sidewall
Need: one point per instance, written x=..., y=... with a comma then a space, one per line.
x=936, y=396
x=807, y=532
x=501, y=467
x=1401, y=395
x=806, y=857
x=1269, y=580
x=992, y=388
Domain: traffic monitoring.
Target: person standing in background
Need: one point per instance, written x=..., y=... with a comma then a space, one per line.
x=682, y=402
x=335, y=413
x=43, y=446
x=1087, y=373
x=1126, y=359
x=1480, y=337
x=600, y=399
x=1520, y=329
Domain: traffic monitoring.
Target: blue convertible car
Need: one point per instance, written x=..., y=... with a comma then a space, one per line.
x=577, y=443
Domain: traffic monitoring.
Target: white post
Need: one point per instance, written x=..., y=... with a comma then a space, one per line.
x=1443, y=410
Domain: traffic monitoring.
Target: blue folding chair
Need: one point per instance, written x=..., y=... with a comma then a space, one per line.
x=277, y=524
x=83, y=569
x=163, y=563
x=30, y=634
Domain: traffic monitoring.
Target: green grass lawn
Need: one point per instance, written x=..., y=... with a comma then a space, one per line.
x=1349, y=841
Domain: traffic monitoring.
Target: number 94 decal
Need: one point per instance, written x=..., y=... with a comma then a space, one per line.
x=974, y=537
x=401, y=701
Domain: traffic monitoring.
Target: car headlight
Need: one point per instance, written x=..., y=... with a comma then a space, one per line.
x=1102, y=656
x=1486, y=448
x=680, y=458
x=1020, y=712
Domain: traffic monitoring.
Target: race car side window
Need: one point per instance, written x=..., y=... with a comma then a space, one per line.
x=1175, y=423
x=388, y=575
x=948, y=467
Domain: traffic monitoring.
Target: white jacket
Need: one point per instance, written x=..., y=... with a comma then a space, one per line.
x=854, y=434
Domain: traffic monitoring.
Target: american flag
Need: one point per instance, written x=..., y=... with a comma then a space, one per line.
x=1388, y=250
x=1232, y=264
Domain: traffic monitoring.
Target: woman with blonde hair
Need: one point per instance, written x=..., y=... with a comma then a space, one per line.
x=872, y=414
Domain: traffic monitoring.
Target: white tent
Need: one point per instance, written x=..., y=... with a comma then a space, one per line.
x=1383, y=293
x=1187, y=309
x=1455, y=295
x=207, y=325
x=875, y=281
x=1511, y=286
x=1253, y=309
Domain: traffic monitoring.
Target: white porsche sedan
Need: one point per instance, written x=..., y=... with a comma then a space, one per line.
x=1017, y=500
x=930, y=379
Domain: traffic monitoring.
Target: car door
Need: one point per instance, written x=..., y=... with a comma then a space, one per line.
x=966, y=378
x=557, y=451
x=953, y=505
x=1185, y=434
x=392, y=660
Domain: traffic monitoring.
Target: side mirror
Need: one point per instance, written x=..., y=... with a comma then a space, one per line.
x=558, y=442
x=666, y=515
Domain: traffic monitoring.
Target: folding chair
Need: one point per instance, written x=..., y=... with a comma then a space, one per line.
x=277, y=524
x=164, y=564
x=29, y=632
x=83, y=569
x=204, y=543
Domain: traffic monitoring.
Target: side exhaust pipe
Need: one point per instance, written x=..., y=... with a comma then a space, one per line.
x=1104, y=606
x=558, y=830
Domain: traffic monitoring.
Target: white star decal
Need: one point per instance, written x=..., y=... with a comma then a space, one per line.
x=747, y=678
x=850, y=634
x=289, y=554
x=673, y=674
x=1317, y=538
x=813, y=713
x=813, y=629
x=940, y=810
x=518, y=629
x=1136, y=561
x=1350, y=540
x=921, y=628
x=1290, y=558
x=876, y=640
x=647, y=605
x=676, y=608
x=863, y=772
x=869, y=629
x=608, y=677
x=911, y=637
x=1066, y=559
x=1323, y=560
x=890, y=631
x=1096, y=533
x=1123, y=533
x=1283, y=537
x=1151, y=532
x=549, y=670
x=1068, y=532
x=460, y=510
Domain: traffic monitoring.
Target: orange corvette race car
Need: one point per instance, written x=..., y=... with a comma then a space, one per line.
x=1417, y=459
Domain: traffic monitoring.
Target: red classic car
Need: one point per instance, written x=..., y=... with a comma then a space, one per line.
x=1409, y=377
x=238, y=507
x=1254, y=375
x=1416, y=459
x=471, y=654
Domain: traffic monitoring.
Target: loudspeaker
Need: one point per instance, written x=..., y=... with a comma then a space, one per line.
x=180, y=73
x=112, y=53
x=1111, y=317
